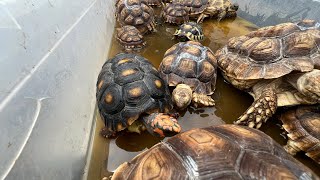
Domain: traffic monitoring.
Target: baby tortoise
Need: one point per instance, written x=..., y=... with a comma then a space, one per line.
x=189, y=31
x=192, y=68
x=303, y=127
x=136, y=13
x=175, y=14
x=277, y=65
x=131, y=94
x=217, y=152
x=130, y=38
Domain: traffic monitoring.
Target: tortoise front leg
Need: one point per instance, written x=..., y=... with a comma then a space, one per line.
x=202, y=99
x=105, y=132
x=260, y=110
x=201, y=17
x=222, y=15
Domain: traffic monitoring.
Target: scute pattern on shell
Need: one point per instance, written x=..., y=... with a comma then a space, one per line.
x=191, y=30
x=128, y=86
x=130, y=38
x=175, y=13
x=271, y=52
x=303, y=127
x=154, y=2
x=194, y=7
x=218, y=152
x=136, y=13
x=190, y=63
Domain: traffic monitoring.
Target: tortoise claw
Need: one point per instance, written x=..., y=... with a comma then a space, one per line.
x=202, y=99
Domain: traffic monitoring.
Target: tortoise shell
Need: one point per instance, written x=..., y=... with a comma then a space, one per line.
x=175, y=14
x=190, y=63
x=271, y=52
x=130, y=38
x=190, y=30
x=136, y=13
x=303, y=127
x=128, y=86
x=154, y=2
x=195, y=7
x=218, y=152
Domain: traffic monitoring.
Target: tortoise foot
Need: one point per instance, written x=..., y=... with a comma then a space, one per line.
x=107, y=133
x=260, y=110
x=291, y=148
x=202, y=100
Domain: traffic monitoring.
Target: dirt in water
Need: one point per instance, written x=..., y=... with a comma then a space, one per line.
x=230, y=102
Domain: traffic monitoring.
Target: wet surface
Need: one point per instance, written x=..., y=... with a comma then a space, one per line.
x=230, y=102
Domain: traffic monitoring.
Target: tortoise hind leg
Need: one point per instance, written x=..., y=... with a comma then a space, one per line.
x=260, y=110
x=202, y=99
x=291, y=148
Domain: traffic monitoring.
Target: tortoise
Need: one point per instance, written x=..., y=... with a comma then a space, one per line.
x=277, y=65
x=216, y=152
x=191, y=68
x=130, y=38
x=136, y=13
x=175, y=14
x=131, y=95
x=201, y=9
x=154, y=2
x=189, y=31
x=303, y=127
x=219, y=9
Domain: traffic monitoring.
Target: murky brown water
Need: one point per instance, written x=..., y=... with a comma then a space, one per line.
x=230, y=102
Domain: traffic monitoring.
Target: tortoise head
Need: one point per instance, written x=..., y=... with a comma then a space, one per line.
x=161, y=124
x=234, y=7
x=182, y=96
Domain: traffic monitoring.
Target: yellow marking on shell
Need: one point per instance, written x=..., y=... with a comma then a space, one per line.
x=124, y=61
x=158, y=83
x=128, y=72
x=135, y=91
x=100, y=84
x=187, y=26
x=177, y=32
x=109, y=98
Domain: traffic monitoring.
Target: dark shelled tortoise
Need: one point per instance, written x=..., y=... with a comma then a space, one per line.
x=219, y=9
x=189, y=31
x=217, y=152
x=130, y=38
x=191, y=67
x=277, y=65
x=131, y=94
x=136, y=13
x=175, y=14
x=194, y=7
x=303, y=127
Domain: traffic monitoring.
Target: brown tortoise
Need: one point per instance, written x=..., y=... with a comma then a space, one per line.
x=277, y=65
x=194, y=7
x=217, y=152
x=175, y=14
x=303, y=127
x=131, y=95
x=130, y=38
x=192, y=68
x=136, y=13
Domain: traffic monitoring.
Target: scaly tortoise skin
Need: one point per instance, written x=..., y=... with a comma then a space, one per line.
x=302, y=125
x=136, y=13
x=191, y=67
x=175, y=14
x=129, y=89
x=130, y=38
x=189, y=31
x=217, y=152
x=278, y=65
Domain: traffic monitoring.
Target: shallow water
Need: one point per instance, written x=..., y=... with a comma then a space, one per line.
x=230, y=103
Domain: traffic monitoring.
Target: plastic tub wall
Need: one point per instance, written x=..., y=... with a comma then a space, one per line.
x=50, y=55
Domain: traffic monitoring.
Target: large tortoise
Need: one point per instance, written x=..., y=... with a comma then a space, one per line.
x=130, y=38
x=201, y=9
x=136, y=13
x=277, y=65
x=303, y=127
x=192, y=68
x=131, y=94
x=217, y=152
